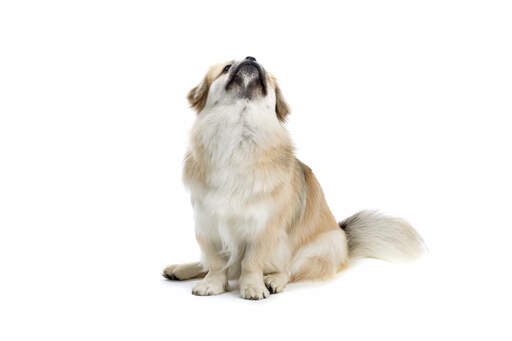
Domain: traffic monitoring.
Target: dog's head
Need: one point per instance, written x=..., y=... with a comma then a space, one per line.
x=238, y=81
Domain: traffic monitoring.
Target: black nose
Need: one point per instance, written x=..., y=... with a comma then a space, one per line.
x=250, y=58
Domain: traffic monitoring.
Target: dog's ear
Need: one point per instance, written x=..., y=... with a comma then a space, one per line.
x=282, y=108
x=198, y=95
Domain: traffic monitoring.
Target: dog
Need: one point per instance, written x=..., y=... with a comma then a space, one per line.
x=260, y=213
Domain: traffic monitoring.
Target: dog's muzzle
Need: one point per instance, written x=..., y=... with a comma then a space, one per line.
x=248, y=77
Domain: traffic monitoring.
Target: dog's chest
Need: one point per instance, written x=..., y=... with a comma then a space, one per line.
x=226, y=149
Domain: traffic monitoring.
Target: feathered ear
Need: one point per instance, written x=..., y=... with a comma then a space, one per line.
x=197, y=96
x=282, y=108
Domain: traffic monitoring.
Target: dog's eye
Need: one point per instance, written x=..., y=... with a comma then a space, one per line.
x=226, y=68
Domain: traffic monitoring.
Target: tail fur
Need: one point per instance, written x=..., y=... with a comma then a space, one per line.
x=374, y=235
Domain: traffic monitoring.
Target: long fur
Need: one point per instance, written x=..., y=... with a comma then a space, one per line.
x=374, y=235
x=260, y=213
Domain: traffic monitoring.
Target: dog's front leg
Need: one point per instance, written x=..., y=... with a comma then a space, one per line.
x=252, y=286
x=216, y=280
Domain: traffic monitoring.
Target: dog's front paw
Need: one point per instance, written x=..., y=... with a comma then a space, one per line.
x=254, y=291
x=208, y=287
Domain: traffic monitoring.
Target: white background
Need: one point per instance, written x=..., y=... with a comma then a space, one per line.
x=402, y=106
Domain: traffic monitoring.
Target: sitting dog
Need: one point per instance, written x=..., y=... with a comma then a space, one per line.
x=260, y=213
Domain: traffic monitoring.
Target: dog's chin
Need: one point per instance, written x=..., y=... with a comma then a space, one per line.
x=247, y=81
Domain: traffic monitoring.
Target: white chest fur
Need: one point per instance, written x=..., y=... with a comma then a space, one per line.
x=229, y=140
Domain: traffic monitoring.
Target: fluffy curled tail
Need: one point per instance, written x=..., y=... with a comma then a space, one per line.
x=374, y=235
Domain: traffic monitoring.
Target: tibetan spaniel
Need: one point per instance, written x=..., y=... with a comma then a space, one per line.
x=260, y=213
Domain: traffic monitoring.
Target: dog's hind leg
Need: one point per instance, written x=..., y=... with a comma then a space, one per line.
x=180, y=272
x=322, y=258
x=276, y=282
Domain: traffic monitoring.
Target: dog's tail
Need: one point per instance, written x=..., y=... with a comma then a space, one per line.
x=371, y=234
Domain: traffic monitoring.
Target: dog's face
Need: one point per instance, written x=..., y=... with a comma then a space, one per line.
x=236, y=82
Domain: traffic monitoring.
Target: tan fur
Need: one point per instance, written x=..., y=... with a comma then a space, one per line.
x=301, y=213
x=197, y=96
x=299, y=237
x=185, y=271
x=282, y=108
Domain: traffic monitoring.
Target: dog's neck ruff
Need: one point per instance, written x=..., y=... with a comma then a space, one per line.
x=235, y=133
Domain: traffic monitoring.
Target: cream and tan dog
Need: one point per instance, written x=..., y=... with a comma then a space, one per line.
x=260, y=213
